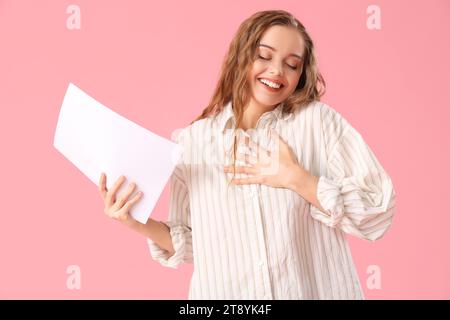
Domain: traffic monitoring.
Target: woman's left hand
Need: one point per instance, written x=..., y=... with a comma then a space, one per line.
x=276, y=169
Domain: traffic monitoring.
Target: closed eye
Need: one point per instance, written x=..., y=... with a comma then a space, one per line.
x=292, y=67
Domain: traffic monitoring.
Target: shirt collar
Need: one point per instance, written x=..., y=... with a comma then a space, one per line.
x=227, y=114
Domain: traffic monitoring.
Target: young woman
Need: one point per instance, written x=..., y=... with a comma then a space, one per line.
x=271, y=179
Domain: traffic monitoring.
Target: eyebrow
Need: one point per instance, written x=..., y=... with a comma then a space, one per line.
x=272, y=48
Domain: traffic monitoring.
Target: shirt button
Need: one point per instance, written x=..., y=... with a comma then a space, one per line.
x=261, y=263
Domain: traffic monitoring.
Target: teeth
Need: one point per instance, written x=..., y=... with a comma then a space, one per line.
x=270, y=83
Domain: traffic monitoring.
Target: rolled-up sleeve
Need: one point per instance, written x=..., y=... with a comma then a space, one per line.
x=357, y=193
x=179, y=224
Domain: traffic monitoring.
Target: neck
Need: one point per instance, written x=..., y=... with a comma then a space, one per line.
x=252, y=112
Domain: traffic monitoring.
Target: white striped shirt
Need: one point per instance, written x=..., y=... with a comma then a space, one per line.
x=254, y=241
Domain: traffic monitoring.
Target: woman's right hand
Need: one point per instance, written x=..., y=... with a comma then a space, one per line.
x=118, y=209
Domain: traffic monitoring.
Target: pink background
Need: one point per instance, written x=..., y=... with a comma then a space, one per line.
x=157, y=64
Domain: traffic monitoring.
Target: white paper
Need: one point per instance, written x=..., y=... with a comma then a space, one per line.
x=96, y=139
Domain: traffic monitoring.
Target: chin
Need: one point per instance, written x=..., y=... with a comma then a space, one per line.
x=268, y=102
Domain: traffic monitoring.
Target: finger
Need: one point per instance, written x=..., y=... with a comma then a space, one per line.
x=241, y=169
x=250, y=180
x=111, y=195
x=132, y=201
x=122, y=199
x=102, y=185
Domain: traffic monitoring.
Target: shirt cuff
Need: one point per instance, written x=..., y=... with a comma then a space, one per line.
x=329, y=196
x=179, y=234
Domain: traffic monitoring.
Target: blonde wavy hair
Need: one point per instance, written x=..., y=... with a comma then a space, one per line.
x=233, y=85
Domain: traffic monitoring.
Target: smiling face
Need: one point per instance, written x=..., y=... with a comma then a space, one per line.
x=279, y=63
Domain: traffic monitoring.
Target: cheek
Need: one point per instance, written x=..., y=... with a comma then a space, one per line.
x=258, y=67
x=252, y=78
x=293, y=82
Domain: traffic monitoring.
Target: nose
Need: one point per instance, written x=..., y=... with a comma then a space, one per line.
x=276, y=68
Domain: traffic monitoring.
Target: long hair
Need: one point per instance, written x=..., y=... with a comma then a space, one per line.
x=233, y=84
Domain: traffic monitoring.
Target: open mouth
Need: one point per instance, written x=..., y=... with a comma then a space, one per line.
x=271, y=86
